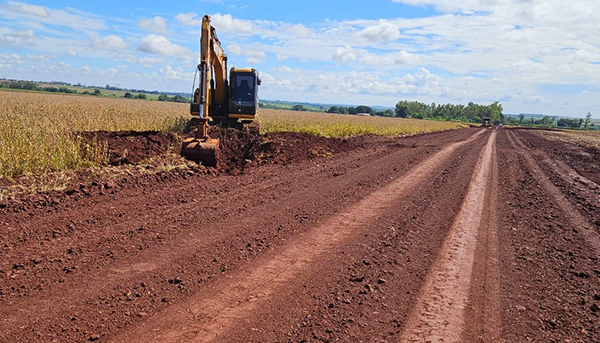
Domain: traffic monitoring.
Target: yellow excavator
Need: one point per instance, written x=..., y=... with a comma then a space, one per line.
x=218, y=100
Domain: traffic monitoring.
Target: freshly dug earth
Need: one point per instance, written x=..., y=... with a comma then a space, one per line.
x=300, y=238
x=130, y=147
x=237, y=148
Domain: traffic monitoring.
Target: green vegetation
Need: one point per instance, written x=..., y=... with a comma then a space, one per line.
x=552, y=121
x=176, y=98
x=472, y=113
x=359, y=110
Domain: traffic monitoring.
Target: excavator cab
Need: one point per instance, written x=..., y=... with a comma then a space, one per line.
x=243, y=97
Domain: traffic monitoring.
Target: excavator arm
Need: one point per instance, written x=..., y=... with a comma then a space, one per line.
x=213, y=88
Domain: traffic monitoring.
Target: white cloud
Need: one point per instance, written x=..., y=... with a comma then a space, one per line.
x=234, y=49
x=7, y=60
x=221, y=22
x=390, y=59
x=157, y=25
x=175, y=74
x=110, y=42
x=255, y=56
x=383, y=31
x=188, y=19
x=43, y=57
x=85, y=69
x=286, y=69
x=147, y=62
x=252, y=54
x=226, y=23
x=156, y=44
x=344, y=54
x=15, y=38
x=23, y=8
x=35, y=15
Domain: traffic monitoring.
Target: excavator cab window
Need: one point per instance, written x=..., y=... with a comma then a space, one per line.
x=244, y=98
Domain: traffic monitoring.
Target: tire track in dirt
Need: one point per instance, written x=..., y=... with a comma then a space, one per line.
x=149, y=261
x=549, y=271
x=563, y=171
x=440, y=311
x=204, y=317
x=99, y=227
x=483, y=311
x=591, y=237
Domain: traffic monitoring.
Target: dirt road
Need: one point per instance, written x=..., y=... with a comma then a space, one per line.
x=478, y=235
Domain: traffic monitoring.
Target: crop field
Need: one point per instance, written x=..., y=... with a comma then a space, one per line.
x=38, y=131
x=582, y=138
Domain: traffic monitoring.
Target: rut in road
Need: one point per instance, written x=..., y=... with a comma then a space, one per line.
x=206, y=316
x=439, y=315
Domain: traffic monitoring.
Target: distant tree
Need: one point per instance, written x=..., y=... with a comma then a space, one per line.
x=402, y=109
x=179, y=98
x=388, y=113
x=28, y=85
x=127, y=95
x=298, y=108
x=351, y=110
x=141, y=96
x=333, y=109
x=97, y=92
x=364, y=109
x=495, y=110
x=521, y=117
x=163, y=97
x=588, y=120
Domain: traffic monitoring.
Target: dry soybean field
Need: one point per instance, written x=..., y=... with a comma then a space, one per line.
x=38, y=132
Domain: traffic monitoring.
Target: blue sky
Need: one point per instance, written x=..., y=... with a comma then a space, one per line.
x=539, y=56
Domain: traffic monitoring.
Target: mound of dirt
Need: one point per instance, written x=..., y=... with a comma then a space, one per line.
x=242, y=149
x=130, y=147
x=235, y=148
x=238, y=149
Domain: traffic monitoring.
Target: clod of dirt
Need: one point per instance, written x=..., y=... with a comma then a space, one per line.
x=130, y=147
x=357, y=279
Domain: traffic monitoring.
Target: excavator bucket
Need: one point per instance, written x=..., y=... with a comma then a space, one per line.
x=201, y=150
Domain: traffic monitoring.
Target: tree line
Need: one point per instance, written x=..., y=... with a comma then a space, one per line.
x=360, y=109
x=548, y=121
x=471, y=113
x=32, y=86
